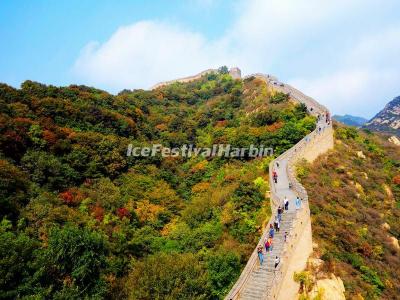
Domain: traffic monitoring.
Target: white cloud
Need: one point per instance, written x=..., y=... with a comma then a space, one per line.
x=340, y=52
x=146, y=52
x=368, y=78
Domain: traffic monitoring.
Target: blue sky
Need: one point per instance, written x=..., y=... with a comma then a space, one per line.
x=343, y=53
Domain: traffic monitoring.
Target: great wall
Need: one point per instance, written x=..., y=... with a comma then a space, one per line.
x=266, y=281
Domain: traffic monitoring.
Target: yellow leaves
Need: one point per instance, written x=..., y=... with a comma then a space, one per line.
x=363, y=232
x=336, y=183
x=170, y=227
x=256, y=131
x=139, y=112
x=161, y=127
x=201, y=187
x=359, y=188
x=199, y=166
x=221, y=196
x=227, y=214
x=163, y=194
x=378, y=251
x=130, y=205
x=147, y=211
x=259, y=182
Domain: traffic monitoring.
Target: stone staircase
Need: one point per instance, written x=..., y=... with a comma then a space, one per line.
x=260, y=280
x=266, y=282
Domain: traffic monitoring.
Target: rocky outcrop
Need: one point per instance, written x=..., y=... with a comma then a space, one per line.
x=394, y=140
x=331, y=288
x=388, y=119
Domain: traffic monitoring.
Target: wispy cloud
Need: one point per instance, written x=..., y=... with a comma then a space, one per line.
x=344, y=53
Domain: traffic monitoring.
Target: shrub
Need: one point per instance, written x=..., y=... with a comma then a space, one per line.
x=167, y=276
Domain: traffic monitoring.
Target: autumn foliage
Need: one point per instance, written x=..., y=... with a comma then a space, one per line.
x=82, y=220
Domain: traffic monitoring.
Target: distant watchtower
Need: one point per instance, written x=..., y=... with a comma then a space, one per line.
x=235, y=73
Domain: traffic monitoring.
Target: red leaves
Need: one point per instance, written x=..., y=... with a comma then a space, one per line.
x=123, y=212
x=396, y=179
x=49, y=137
x=98, y=213
x=222, y=123
x=72, y=196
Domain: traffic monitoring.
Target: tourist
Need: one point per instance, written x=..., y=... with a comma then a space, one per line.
x=275, y=176
x=277, y=261
x=328, y=119
x=260, y=254
x=269, y=241
x=271, y=231
x=280, y=211
x=267, y=245
x=285, y=236
x=298, y=203
x=286, y=203
x=276, y=222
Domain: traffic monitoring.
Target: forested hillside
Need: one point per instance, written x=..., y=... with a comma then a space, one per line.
x=80, y=219
x=354, y=197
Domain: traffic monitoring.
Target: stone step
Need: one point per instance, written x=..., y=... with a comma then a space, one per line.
x=256, y=289
x=263, y=281
x=250, y=294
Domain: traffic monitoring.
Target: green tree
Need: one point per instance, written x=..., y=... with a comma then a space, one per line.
x=163, y=276
x=73, y=262
x=17, y=254
x=223, y=269
x=14, y=190
x=223, y=70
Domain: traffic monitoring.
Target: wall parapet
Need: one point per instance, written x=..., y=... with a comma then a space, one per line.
x=308, y=148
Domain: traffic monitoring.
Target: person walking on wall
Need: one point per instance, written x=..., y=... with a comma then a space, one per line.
x=280, y=211
x=276, y=222
x=271, y=231
x=285, y=236
x=269, y=241
x=328, y=118
x=267, y=245
x=298, y=203
x=275, y=176
x=286, y=203
x=260, y=254
x=277, y=261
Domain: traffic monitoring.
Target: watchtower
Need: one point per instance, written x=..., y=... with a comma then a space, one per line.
x=235, y=73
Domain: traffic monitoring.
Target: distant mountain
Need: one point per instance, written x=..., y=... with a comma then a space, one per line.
x=388, y=119
x=350, y=120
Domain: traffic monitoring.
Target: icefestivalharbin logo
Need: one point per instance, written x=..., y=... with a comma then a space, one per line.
x=221, y=150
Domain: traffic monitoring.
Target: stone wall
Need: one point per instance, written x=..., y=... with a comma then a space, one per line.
x=234, y=72
x=299, y=245
x=185, y=79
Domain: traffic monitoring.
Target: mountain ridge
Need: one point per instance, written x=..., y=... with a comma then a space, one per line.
x=387, y=120
x=350, y=120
